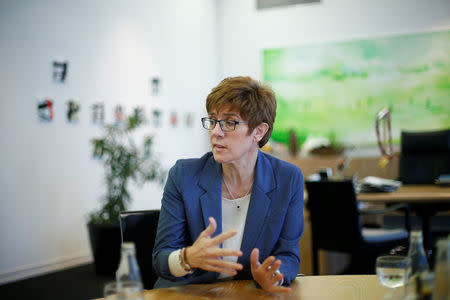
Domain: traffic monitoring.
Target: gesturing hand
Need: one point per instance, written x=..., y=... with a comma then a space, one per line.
x=206, y=253
x=265, y=274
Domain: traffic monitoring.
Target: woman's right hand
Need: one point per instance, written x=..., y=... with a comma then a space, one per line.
x=206, y=253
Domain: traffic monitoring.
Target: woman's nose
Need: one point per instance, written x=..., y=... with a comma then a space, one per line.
x=217, y=130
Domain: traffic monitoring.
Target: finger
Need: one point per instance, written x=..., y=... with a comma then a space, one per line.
x=274, y=267
x=216, y=269
x=280, y=289
x=219, y=239
x=222, y=266
x=210, y=229
x=268, y=262
x=254, y=259
x=277, y=278
x=220, y=252
x=225, y=264
x=229, y=252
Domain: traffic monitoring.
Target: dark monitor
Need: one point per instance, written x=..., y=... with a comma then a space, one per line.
x=424, y=156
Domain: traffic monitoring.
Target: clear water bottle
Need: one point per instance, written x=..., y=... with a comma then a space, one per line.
x=416, y=253
x=418, y=273
x=128, y=268
x=128, y=276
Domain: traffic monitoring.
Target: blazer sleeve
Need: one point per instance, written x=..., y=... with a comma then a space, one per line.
x=287, y=249
x=172, y=225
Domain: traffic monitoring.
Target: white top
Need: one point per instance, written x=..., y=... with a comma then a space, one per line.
x=232, y=218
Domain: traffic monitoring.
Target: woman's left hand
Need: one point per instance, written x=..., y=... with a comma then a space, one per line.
x=265, y=274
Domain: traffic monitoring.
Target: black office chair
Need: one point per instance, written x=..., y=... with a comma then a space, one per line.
x=424, y=156
x=140, y=227
x=336, y=226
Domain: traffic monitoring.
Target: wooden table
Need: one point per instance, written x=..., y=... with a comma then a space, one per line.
x=413, y=194
x=425, y=201
x=345, y=287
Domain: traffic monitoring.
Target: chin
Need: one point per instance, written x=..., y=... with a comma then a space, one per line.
x=220, y=158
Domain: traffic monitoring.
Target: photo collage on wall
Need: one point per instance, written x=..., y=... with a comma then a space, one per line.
x=97, y=111
x=73, y=110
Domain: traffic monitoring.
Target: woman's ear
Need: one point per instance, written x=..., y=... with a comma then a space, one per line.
x=260, y=131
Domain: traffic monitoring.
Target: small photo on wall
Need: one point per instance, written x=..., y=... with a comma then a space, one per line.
x=189, y=119
x=119, y=114
x=45, y=110
x=60, y=69
x=173, y=119
x=155, y=86
x=156, y=118
x=73, y=111
x=98, y=113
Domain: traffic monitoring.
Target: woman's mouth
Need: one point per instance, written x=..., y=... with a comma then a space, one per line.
x=218, y=147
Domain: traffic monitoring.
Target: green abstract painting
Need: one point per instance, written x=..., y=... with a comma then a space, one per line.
x=335, y=90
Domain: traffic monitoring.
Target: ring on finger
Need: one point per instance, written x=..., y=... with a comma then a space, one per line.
x=276, y=273
x=270, y=268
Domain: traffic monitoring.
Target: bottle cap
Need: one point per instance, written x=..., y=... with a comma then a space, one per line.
x=128, y=245
x=416, y=233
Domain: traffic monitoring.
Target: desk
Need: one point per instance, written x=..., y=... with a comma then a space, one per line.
x=425, y=201
x=413, y=194
x=345, y=287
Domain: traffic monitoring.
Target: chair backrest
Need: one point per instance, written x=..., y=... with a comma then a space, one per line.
x=140, y=227
x=424, y=156
x=334, y=217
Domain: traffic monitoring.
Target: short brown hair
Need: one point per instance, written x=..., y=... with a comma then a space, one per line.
x=255, y=102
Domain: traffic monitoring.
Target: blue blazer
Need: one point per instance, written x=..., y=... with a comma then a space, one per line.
x=274, y=222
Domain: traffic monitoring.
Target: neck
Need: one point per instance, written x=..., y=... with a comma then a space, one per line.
x=239, y=176
x=238, y=173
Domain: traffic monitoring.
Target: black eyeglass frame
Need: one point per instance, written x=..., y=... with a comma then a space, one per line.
x=221, y=124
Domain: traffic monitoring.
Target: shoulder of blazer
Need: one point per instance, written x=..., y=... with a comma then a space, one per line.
x=203, y=171
x=192, y=166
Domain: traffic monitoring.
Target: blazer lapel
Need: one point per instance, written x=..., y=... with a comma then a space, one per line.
x=259, y=206
x=210, y=202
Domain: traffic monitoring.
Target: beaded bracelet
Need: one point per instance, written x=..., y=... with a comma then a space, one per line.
x=183, y=261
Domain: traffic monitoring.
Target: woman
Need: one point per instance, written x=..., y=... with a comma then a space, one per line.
x=223, y=213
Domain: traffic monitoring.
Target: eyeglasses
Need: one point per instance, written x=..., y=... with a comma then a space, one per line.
x=225, y=125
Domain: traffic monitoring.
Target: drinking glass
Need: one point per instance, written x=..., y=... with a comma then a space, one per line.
x=127, y=290
x=393, y=271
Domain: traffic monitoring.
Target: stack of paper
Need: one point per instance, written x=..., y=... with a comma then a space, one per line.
x=371, y=184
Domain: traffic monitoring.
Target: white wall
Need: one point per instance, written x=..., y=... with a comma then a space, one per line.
x=48, y=180
x=244, y=32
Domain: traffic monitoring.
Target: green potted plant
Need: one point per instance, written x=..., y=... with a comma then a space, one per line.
x=124, y=161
